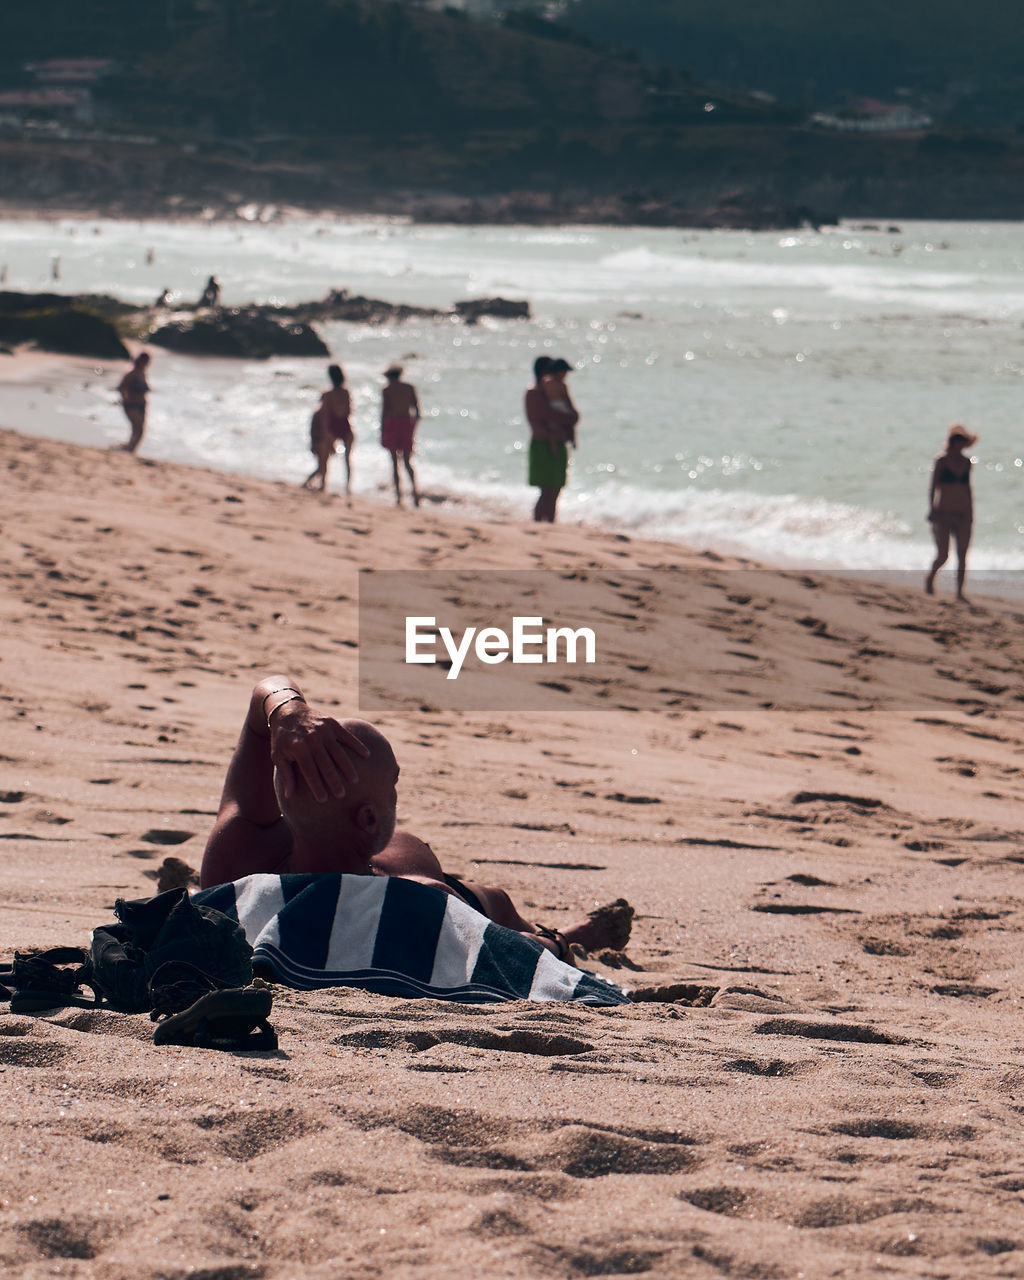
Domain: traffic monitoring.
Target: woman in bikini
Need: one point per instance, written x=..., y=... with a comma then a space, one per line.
x=133, y=389
x=329, y=425
x=950, y=507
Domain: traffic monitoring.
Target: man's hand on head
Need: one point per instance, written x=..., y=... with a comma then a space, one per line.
x=315, y=748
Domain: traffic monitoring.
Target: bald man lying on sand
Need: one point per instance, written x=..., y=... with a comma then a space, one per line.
x=305, y=793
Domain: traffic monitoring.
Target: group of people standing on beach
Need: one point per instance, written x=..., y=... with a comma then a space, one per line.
x=552, y=418
x=550, y=412
x=331, y=425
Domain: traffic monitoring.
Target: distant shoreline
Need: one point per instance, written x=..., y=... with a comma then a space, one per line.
x=528, y=208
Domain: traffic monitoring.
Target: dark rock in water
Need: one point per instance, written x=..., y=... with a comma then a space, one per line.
x=53, y=322
x=248, y=333
x=339, y=304
x=506, y=308
x=91, y=324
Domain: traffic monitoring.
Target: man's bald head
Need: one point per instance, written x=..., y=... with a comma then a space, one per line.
x=344, y=832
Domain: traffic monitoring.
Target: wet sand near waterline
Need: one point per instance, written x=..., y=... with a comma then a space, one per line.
x=826, y=1074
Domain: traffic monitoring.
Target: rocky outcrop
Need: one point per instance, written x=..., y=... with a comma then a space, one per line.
x=53, y=322
x=339, y=304
x=255, y=333
x=246, y=333
x=472, y=309
x=93, y=324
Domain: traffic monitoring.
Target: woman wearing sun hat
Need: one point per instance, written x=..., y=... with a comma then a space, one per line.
x=399, y=417
x=950, y=508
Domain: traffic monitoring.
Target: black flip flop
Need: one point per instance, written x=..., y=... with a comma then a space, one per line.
x=232, y=1018
x=32, y=1000
x=49, y=980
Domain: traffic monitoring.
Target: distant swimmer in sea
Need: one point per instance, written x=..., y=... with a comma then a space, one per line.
x=399, y=417
x=331, y=424
x=211, y=293
x=133, y=389
x=552, y=426
x=950, y=507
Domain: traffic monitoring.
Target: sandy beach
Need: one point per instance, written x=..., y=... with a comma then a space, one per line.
x=822, y=1070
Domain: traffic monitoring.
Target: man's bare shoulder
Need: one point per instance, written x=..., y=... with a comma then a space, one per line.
x=238, y=847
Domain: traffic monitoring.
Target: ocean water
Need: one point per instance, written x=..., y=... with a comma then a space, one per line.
x=780, y=395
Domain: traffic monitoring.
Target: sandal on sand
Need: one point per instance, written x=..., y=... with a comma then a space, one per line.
x=50, y=980
x=207, y=1017
x=563, y=950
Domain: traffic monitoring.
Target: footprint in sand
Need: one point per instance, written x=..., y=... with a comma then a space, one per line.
x=839, y=1031
x=322, y=1178
x=961, y=989
x=885, y=947
x=841, y=1211
x=837, y=797
x=687, y=993
x=894, y=1130
x=75, y=1236
x=959, y=765
x=768, y=1067
x=584, y=1152
x=31, y=1053
x=802, y=909
x=536, y=1043
x=818, y=1214
x=730, y=1202
x=158, y=835
x=256, y=1133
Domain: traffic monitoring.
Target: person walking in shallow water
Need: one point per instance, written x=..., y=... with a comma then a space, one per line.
x=133, y=389
x=399, y=417
x=950, y=506
x=330, y=424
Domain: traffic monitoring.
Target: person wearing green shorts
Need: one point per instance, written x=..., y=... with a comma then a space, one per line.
x=552, y=418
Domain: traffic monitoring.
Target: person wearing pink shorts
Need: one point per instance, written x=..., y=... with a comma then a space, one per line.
x=399, y=418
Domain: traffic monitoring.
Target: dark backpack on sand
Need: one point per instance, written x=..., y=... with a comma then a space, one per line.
x=166, y=955
x=169, y=929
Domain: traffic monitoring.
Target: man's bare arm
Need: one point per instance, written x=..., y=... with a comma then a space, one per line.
x=280, y=731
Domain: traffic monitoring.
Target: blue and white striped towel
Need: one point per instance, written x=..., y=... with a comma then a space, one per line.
x=395, y=936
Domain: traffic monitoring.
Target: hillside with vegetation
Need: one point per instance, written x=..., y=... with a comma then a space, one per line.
x=963, y=65
x=395, y=107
